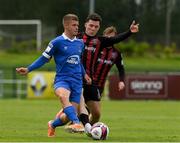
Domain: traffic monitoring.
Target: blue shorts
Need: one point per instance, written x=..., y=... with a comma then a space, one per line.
x=71, y=84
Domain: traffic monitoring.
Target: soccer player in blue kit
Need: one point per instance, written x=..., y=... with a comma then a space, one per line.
x=66, y=50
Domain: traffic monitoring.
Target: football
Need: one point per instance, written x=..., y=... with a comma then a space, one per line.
x=99, y=131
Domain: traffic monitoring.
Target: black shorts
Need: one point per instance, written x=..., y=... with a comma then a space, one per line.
x=92, y=93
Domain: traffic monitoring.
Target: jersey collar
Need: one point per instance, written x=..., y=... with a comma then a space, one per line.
x=67, y=38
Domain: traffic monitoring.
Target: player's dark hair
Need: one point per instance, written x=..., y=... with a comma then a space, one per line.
x=94, y=17
x=69, y=17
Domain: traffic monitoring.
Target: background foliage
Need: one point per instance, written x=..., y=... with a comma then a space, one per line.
x=151, y=14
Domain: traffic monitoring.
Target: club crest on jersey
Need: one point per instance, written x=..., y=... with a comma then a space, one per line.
x=74, y=59
x=94, y=41
x=65, y=48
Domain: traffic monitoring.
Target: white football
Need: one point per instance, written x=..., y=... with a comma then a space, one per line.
x=99, y=131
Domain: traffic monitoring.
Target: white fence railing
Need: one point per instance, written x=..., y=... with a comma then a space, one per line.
x=7, y=84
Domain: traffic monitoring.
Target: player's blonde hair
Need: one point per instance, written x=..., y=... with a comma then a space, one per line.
x=109, y=30
x=69, y=17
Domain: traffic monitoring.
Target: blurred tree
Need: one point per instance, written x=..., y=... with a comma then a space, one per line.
x=119, y=13
x=151, y=14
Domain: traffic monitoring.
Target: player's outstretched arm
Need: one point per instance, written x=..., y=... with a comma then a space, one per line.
x=109, y=41
x=35, y=65
x=22, y=71
x=134, y=28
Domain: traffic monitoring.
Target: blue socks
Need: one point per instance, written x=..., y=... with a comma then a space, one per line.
x=70, y=111
x=57, y=122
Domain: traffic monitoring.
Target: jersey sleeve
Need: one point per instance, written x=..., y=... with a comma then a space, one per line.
x=50, y=50
x=120, y=65
x=38, y=63
x=46, y=56
x=83, y=70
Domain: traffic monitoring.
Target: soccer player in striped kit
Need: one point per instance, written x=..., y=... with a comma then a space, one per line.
x=66, y=50
x=98, y=58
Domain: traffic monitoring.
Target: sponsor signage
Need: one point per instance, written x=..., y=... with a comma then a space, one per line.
x=40, y=85
x=143, y=86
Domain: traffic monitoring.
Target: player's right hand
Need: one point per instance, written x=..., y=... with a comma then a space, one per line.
x=88, y=79
x=22, y=71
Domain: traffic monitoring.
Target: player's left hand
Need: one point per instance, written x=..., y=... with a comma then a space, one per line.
x=121, y=85
x=22, y=71
x=134, y=28
x=88, y=79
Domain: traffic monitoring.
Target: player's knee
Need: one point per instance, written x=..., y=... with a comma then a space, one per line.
x=62, y=97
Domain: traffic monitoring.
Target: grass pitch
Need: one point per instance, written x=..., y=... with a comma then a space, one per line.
x=129, y=121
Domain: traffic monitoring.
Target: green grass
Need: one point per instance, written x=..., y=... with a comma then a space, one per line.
x=131, y=63
x=129, y=121
x=9, y=61
x=152, y=64
x=16, y=59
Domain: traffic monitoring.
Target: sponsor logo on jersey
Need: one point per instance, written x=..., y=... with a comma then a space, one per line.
x=90, y=48
x=74, y=59
x=108, y=62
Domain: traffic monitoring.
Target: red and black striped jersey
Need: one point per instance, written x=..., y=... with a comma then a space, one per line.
x=106, y=59
x=93, y=47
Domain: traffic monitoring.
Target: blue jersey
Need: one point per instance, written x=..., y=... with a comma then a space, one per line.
x=67, y=55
